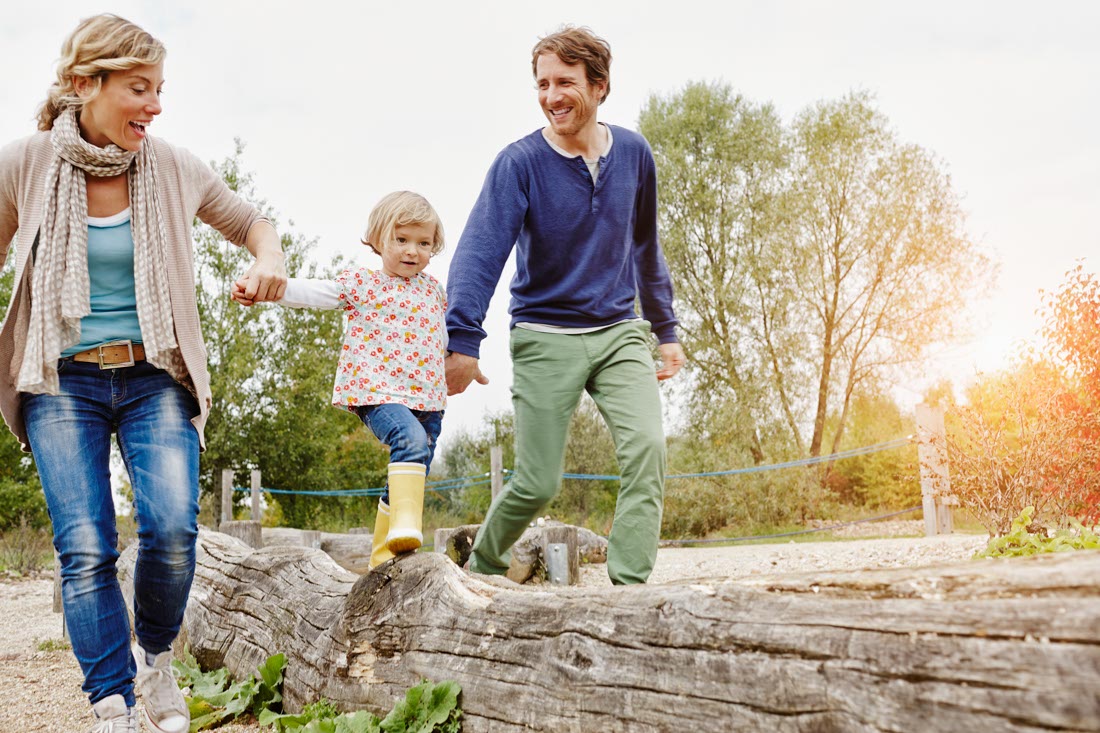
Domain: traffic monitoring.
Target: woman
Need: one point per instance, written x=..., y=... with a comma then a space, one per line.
x=102, y=335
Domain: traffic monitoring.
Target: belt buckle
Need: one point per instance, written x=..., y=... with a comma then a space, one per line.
x=118, y=364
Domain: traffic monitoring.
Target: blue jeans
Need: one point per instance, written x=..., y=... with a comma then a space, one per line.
x=410, y=434
x=70, y=437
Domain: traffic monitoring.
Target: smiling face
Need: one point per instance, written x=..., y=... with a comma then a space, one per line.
x=409, y=251
x=567, y=99
x=125, y=106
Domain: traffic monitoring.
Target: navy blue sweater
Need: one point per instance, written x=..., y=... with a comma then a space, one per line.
x=584, y=252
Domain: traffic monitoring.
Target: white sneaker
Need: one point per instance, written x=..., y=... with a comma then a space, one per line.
x=165, y=709
x=114, y=716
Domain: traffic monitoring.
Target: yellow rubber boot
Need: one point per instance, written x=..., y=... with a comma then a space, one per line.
x=406, y=506
x=378, y=551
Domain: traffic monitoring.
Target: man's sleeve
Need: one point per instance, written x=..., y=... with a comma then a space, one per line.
x=486, y=242
x=653, y=281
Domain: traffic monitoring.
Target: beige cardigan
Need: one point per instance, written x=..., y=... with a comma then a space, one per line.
x=187, y=187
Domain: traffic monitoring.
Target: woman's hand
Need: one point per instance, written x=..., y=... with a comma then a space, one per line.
x=266, y=279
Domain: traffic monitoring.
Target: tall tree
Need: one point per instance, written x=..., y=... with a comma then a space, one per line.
x=884, y=265
x=720, y=162
x=808, y=260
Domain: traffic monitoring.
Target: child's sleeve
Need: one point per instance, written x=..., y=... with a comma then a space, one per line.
x=304, y=292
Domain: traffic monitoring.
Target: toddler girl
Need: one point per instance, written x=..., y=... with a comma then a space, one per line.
x=391, y=363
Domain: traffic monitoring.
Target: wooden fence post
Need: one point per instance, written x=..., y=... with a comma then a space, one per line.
x=935, y=481
x=496, y=464
x=257, y=512
x=227, y=495
x=563, y=538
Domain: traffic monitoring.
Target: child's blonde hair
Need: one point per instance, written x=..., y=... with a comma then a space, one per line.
x=398, y=209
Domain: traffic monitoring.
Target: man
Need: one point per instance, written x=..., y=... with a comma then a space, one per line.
x=578, y=199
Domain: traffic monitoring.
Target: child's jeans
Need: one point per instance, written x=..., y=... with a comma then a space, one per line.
x=410, y=434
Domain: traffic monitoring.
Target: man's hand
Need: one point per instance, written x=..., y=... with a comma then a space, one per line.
x=672, y=358
x=461, y=370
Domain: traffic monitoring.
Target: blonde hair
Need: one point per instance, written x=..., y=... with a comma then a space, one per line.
x=99, y=45
x=398, y=209
x=578, y=45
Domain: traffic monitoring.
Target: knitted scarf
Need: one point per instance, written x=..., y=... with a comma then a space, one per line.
x=60, y=289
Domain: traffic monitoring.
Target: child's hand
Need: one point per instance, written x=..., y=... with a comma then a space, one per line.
x=237, y=293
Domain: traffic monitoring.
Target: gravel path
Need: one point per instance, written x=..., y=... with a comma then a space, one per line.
x=40, y=680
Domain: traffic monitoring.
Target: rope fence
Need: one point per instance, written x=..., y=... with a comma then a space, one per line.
x=484, y=478
x=935, y=488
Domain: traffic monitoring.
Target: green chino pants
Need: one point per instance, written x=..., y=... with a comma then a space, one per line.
x=615, y=366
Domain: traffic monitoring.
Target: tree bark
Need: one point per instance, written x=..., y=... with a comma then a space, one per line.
x=990, y=645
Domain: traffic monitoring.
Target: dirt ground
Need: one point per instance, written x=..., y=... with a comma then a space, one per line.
x=40, y=680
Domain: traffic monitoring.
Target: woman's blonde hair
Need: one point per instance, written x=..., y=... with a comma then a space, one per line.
x=398, y=209
x=99, y=45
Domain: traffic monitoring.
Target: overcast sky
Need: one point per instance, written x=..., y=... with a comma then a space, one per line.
x=340, y=103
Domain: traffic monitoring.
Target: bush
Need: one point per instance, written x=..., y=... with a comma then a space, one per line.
x=25, y=549
x=1027, y=439
x=22, y=501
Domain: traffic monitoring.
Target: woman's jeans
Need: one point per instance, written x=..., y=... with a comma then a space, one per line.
x=410, y=434
x=70, y=437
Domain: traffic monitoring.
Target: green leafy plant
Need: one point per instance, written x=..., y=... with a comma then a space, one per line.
x=215, y=699
x=1024, y=540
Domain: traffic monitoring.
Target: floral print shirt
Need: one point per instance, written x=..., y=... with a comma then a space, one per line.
x=394, y=341
x=394, y=338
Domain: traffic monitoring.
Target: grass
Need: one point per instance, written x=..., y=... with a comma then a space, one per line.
x=53, y=645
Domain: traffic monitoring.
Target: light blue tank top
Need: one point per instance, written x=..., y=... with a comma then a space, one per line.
x=111, y=275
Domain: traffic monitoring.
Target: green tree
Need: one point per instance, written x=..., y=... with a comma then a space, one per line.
x=469, y=454
x=879, y=481
x=811, y=261
x=885, y=267
x=20, y=490
x=720, y=162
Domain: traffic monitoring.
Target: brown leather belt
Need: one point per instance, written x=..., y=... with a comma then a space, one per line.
x=114, y=355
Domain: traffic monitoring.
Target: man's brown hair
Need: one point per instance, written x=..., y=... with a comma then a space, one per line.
x=578, y=45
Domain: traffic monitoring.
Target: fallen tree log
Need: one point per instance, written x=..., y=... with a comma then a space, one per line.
x=349, y=551
x=994, y=645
